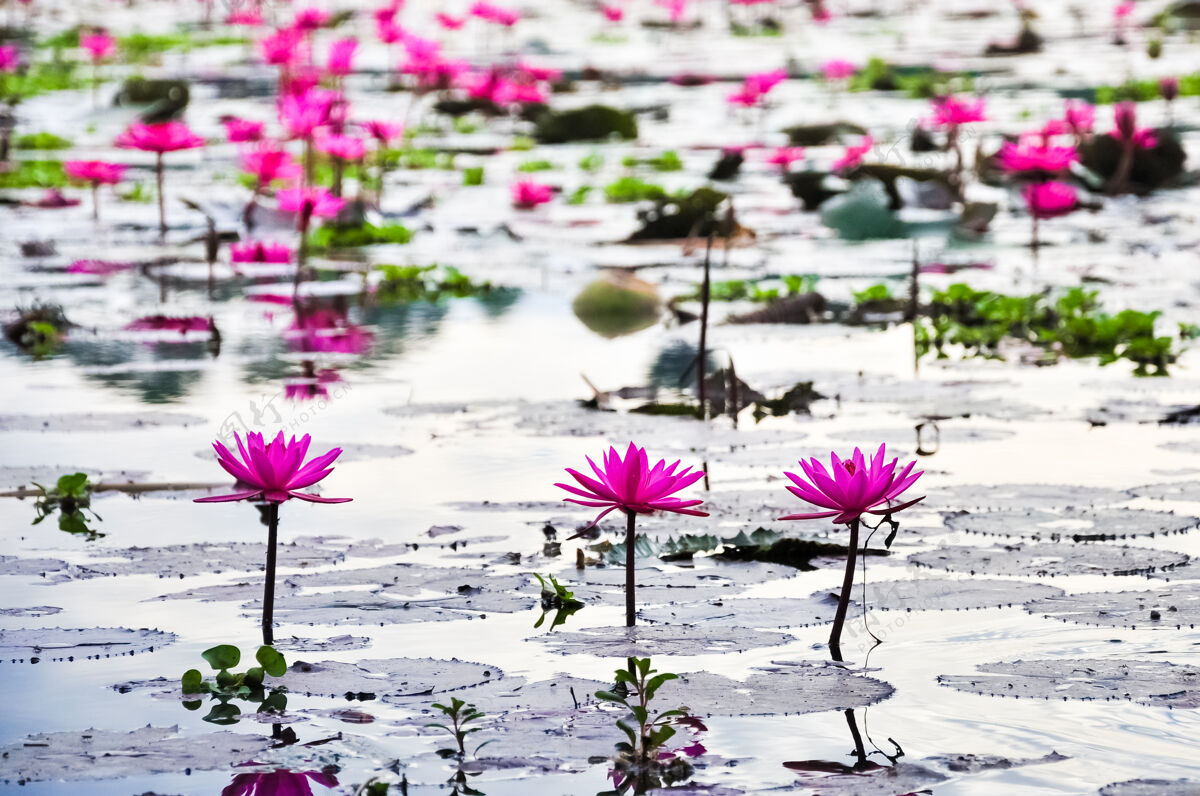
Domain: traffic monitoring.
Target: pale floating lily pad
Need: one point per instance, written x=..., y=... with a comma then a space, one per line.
x=35, y=610
x=103, y=754
x=943, y=594
x=1153, y=787
x=1071, y=524
x=780, y=689
x=331, y=644
x=1182, y=446
x=12, y=477
x=1176, y=606
x=948, y=434
x=902, y=778
x=1024, y=496
x=391, y=677
x=106, y=421
x=231, y=592
x=973, y=764
x=1049, y=559
x=68, y=644
x=11, y=565
x=1188, y=491
x=172, y=561
x=768, y=612
x=648, y=641
x=353, y=608
x=1155, y=683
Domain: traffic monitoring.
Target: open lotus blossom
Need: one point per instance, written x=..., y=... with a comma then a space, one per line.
x=449, y=22
x=838, y=69
x=785, y=156
x=1079, y=116
x=631, y=485
x=342, y=147
x=1034, y=156
x=309, y=202
x=279, y=783
x=159, y=139
x=341, y=57
x=268, y=162
x=952, y=113
x=1049, y=199
x=241, y=131
x=99, y=45
x=302, y=113
x=851, y=488
x=95, y=173
x=284, y=47
x=310, y=19
x=382, y=132
x=10, y=59
x=528, y=194
x=853, y=155
x=273, y=471
x=258, y=252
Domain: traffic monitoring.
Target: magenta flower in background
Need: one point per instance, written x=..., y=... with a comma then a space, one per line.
x=160, y=138
x=528, y=194
x=853, y=155
x=539, y=73
x=99, y=45
x=309, y=202
x=1168, y=88
x=258, y=252
x=1049, y=199
x=676, y=9
x=273, y=471
x=98, y=267
x=951, y=113
x=249, y=18
x=852, y=487
x=1126, y=131
x=838, y=69
x=342, y=147
x=1034, y=156
x=285, y=47
x=302, y=113
x=785, y=156
x=94, y=172
x=1124, y=10
x=613, y=13
x=383, y=132
x=497, y=15
x=278, y=783
x=388, y=31
x=170, y=323
x=10, y=59
x=269, y=162
x=449, y=22
x=633, y=486
x=308, y=20
x=511, y=93
x=1079, y=116
x=341, y=57
x=242, y=131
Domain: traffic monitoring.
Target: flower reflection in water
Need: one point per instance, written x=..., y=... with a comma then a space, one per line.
x=280, y=783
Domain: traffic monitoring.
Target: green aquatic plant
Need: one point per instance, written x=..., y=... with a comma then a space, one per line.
x=1145, y=90
x=874, y=293
x=633, y=189
x=42, y=141
x=666, y=161
x=533, y=166
x=591, y=162
x=473, y=175
x=459, y=714
x=428, y=283
x=558, y=598
x=645, y=730
x=70, y=497
x=34, y=174
x=753, y=289
x=330, y=236
x=228, y=685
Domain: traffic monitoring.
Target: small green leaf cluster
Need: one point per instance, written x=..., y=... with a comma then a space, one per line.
x=645, y=730
x=228, y=685
x=557, y=598
x=70, y=497
x=460, y=714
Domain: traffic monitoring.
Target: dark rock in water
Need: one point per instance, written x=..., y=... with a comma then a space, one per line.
x=38, y=248
x=975, y=220
x=804, y=308
x=1027, y=41
x=922, y=141
x=678, y=217
x=590, y=123
x=820, y=134
x=727, y=167
x=1154, y=787
x=1152, y=168
x=166, y=98
x=461, y=107
x=809, y=187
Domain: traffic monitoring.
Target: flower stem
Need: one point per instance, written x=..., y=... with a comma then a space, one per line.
x=268, y=616
x=839, y=618
x=162, y=213
x=95, y=201
x=630, y=584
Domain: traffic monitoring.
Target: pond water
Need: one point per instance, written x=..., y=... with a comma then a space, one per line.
x=457, y=411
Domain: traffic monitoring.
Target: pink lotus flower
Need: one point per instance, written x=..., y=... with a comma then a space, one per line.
x=303, y=113
x=1123, y=10
x=952, y=113
x=259, y=252
x=160, y=138
x=1049, y=199
x=785, y=156
x=538, y=73
x=98, y=267
x=95, y=172
x=169, y=323
x=528, y=194
x=242, y=131
x=1034, y=156
x=309, y=202
x=273, y=471
x=342, y=147
x=383, y=132
x=99, y=45
x=249, y=18
x=448, y=22
x=632, y=486
x=1168, y=88
x=1079, y=116
x=388, y=31
x=268, y=162
x=10, y=59
x=820, y=14
x=284, y=47
x=1126, y=131
x=278, y=783
x=341, y=57
x=763, y=82
x=852, y=487
x=520, y=94
x=310, y=19
x=853, y=155
x=489, y=12
x=306, y=388
x=613, y=13
x=837, y=69
x=676, y=9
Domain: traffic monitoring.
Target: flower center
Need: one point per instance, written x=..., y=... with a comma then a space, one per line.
x=850, y=468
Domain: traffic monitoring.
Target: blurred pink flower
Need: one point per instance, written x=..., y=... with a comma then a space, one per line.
x=1123, y=10
x=613, y=13
x=383, y=132
x=853, y=155
x=539, y=73
x=448, y=22
x=490, y=12
x=1168, y=88
x=852, y=487
x=342, y=147
x=1033, y=156
x=341, y=57
x=284, y=47
x=310, y=19
x=388, y=31
x=94, y=172
x=785, y=156
x=98, y=267
x=269, y=162
x=1125, y=128
x=303, y=113
x=249, y=18
x=676, y=9
x=10, y=59
x=528, y=194
x=272, y=471
x=99, y=45
x=256, y=251
x=633, y=486
x=837, y=69
x=326, y=331
x=168, y=323
x=278, y=783
x=952, y=113
x=309, y=202
x=1079, y=116
x=162, y=137
x=1049, y=199
x=242, y=131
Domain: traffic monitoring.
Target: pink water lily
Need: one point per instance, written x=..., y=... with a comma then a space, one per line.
x=273, y=471
x=10, y=59
x=528, y=194
x=159, y=138
x=342, y=147
x=853, y=155
x=785, y=156
x=1033, y=156
x=952, y=113
x=309, y=202
x=838, y=69
x=267, y=162
x=341, y=57
x=449, y=22
x=383, y=132
x=279, y=783
x=1049, y=199
x=633, y=486
x=241, y=131
x=99, y=45
x=259, y=252
x=95, y=172
x=1079, y=116
x=852, y=487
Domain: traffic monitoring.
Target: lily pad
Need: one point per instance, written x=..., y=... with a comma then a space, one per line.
x=648, y=641
x=107, y=421
x=353, y=608
x=173, y=561
x=1153, y=787
x=943, y=594
x=1049, y=559
x=780, y=689
x=1174, y=490
x=103, y=754
x=67, y=644
x=1155, y=683
x=391, y=677
x=767, y=612
x=1071, y=524
x=36, y=610
x=1175, y=606
x=1024, y=496
x=331, y=644
x=906, y=778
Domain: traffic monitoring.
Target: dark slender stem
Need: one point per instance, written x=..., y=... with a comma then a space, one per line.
x=839, y=618
x=268, y=616
x=860, y=750
x=704, y=299
x=95, y=201
x=630, y=583
x=162, y=212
